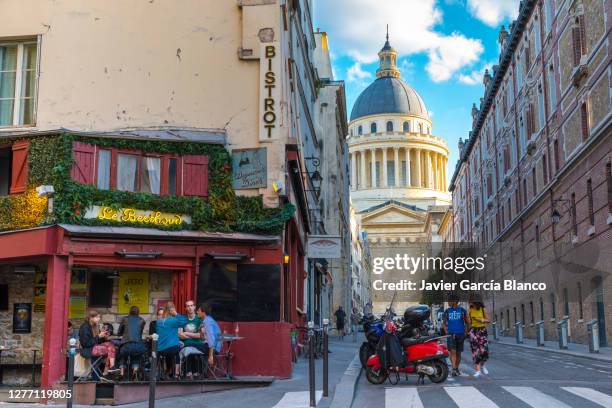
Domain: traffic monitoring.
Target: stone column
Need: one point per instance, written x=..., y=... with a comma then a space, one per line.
x=396, y=165
x=434, y=170
x=373, y=168
x=428, y=168
x=442, y=185
x=385, y=181
x=362, y=177
x=444, y=164
x=354, y=171
x=408, y=183
x=418, y=181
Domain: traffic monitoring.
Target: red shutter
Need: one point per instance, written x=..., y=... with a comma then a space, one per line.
x=83, y=167
x=19, y=177
x=195, y=176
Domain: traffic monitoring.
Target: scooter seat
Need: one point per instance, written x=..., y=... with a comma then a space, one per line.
x=409, y=341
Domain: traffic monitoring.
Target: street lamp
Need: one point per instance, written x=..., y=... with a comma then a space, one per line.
x=315, y=176
x=555, y=215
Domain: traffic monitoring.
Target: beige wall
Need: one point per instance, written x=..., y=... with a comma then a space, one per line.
x=111, y=64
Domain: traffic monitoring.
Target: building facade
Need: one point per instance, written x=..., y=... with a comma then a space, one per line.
x=174, y=155
x=398, y=167
x=533, y=185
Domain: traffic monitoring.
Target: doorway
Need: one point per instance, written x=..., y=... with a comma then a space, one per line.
x=599, y=309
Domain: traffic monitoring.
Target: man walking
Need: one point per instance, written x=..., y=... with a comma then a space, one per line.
x=340, y=317
x=456, y=324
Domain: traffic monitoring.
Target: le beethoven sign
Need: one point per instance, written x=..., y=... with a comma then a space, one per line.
x=132, y=215
x=324, y=246
x=269, y=91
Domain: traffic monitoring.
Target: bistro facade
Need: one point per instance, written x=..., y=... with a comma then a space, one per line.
x=105, y=223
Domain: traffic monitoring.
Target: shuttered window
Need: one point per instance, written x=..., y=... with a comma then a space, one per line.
x=195, y=176
x=83, y=167
x=19, y=176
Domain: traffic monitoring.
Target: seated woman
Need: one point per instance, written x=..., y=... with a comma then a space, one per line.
x=94, y=342
x=168, y=343
x=130, y=330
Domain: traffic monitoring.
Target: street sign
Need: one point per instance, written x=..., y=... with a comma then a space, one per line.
x=324, y=246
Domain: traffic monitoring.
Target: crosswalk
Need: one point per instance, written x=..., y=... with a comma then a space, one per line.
x=473, y=397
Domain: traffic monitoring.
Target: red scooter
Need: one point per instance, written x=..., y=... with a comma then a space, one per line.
x=425, y=356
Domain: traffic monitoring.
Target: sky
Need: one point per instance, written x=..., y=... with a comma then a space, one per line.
x=443, y=47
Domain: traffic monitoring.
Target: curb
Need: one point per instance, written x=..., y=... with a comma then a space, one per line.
x=345, y=390
x=593, y=356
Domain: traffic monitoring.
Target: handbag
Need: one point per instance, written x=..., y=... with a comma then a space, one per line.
x=82, y=365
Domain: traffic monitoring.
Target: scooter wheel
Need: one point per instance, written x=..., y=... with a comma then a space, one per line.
x=441, y=372
x=365, y=351
x=376, y=377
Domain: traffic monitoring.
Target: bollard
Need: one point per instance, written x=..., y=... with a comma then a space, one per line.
x=562, y=334
x=495, y=331
x=518, y=332
x=71, y=352
x=325, y=358
x=540, y=333
x=593, y=330
x=153, y=372
x=311, y=365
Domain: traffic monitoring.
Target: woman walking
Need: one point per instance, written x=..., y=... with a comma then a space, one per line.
x=479, y=342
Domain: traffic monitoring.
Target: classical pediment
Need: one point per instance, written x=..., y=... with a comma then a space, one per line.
x=394, y=214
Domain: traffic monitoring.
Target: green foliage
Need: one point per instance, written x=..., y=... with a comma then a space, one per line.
x=50, y=160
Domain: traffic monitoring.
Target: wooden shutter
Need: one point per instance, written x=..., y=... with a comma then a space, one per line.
x=576, y=44
x=195, y=176
x=19, y=177
x=83, y=167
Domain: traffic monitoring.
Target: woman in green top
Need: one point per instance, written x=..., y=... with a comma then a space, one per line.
x=479, y=342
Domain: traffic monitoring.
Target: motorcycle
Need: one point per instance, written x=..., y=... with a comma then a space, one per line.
x=424, y=355
x=373, y=329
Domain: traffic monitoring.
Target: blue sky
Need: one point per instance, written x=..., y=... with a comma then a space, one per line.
x=444, y=47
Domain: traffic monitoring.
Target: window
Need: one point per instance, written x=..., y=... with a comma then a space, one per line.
x=584, y=121
x=104, y=169
x=537, y=239
x=541, y=309
x=5, y=171
x=578, y=39
x=573, y=214
x=18, y=64
x=420, y=128
x=580, y=309
x=241, y=292
x=531, y=312
x=515, y=315
x=172, y=176
x=523, y=313
x=389, y=126
x=553, y=311
x=552, y=88
x=509, y=210
x=545, y=169
x=566, y=310
x=150, y=175
x=534, y=182
x=556, y=152
x=508, y=318
x=391, y=173
x=525, y=192
x=4, y=297
x=373, y=128
x=609, y=184
x=404, y=175
x=100, y=290
x=406, y=127
x=127, y=172
x=14, y=168
x=360, y=130
x=590, y=201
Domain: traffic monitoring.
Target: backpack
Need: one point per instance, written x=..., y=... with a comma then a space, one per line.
x=390, y=352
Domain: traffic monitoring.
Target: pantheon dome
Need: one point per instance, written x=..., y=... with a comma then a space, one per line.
x=394, y=154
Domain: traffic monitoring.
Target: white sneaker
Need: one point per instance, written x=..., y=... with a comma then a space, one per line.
x=477, y=374
x=485, y=371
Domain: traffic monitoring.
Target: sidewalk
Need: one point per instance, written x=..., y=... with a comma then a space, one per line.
x=290, y=393
x=574, y=349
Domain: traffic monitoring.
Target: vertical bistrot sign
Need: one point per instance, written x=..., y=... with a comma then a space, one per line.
x=269, y=91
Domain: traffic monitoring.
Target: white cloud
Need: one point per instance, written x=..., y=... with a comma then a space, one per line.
x=356, y=73
x=493, y=12
x=475, y=77
x=357, y=28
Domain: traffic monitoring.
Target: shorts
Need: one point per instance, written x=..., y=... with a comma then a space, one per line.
x=455, y=342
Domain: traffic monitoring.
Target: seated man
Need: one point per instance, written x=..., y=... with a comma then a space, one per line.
x=130, y=330
x=211, y=333
x=190, y=334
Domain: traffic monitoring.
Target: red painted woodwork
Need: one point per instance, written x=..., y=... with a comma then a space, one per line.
x=195, y=176
x=83, y=169
x=265, y=349
x=19, y=176
x=56, y=321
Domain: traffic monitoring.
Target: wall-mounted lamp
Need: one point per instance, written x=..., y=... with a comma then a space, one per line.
x=138, y=255
x=238, y=256
x=286, y=259
x=555, y=215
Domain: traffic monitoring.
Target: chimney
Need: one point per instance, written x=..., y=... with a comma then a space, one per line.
x=503, y=34
x=487, y=78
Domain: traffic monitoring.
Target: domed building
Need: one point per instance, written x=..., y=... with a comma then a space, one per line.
x=398, y=170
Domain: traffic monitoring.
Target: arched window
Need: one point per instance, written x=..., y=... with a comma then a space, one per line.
x=389, y=126
x=406, y=127
x=373, y=127
x=420, y=128
x=360, y=130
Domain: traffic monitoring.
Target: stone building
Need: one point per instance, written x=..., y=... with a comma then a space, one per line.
x=200, y=114
x=533, y=185
x=398, y=167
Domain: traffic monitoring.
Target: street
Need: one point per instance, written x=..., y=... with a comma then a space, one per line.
x=518, y=378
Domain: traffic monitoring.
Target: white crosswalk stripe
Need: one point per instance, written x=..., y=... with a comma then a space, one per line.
x=469, y=397
x=300, y=399
x=592, y=395
x=535, y=398
x=403, y=396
